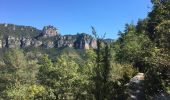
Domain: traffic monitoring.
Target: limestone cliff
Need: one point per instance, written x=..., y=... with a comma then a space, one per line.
x=15, y=36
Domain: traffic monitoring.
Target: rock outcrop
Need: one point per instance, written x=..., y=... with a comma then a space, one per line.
x=27, y=36
x=0, y=43
x=49, y=31
x=136, y=87
x=66, y=41
x=79, y=41
x=25, y=42
x=13, y=42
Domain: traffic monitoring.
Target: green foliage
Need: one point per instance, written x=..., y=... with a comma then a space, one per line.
x=159, y=21
x=101, y=74
x=146, y=46
x=18, y=31
x=110, y=77
x=157, y=72
x=101, y=71
x=158, y=63
x=16, y=74
x=63, y=77
x=25, y=92
x=131, y=46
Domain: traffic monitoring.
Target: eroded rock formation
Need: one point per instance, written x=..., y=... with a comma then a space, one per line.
x=48, y=37
x=49, y=31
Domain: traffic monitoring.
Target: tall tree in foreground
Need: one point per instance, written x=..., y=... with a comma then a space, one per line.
x=158, y=72
x=102, y=68
x=159, y=23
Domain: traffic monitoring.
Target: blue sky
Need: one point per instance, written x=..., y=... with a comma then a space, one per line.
x=72, y=16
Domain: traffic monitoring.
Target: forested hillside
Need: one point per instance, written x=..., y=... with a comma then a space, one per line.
x=18, y=30
x=102, y=73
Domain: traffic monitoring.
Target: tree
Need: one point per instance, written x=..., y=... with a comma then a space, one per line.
x=64, y=78
x=131, y=46
x=102, y=69
x=158, y=66
x=159, y=23
x=17, y=75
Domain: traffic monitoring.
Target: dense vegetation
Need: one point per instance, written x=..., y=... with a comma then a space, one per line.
x=18, y=30
x=100, y=74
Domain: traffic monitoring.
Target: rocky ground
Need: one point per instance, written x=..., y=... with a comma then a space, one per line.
x=136, y=89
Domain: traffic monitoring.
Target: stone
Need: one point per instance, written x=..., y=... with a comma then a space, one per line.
x=3, y=43
x=36, y=43
x=93, y=44
x=13, y=42
x=83, y=41
x=49, y=44
x=65, y=41
x=138, y=78
x=49, y=31
x=5, y=25
x=0, y=43
x=86, y=46
x=136, y=87
x=25, y=42
x=47, y=38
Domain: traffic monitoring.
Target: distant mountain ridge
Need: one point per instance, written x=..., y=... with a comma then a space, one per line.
x=18, y=36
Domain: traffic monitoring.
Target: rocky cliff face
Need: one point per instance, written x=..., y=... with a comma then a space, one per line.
x=79, y=41
x=49, y=31
x=47, y=38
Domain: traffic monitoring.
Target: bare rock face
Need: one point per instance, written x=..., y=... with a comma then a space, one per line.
x=79, y=41
x=93, y=44
x=49, y=44
x=47, y=38
x=65, y=41
x=3, y=43
x=25, y=42
x=49, y=31
x=36, y=43
x=0, y=43
x=83, y=41
x=13, y=42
